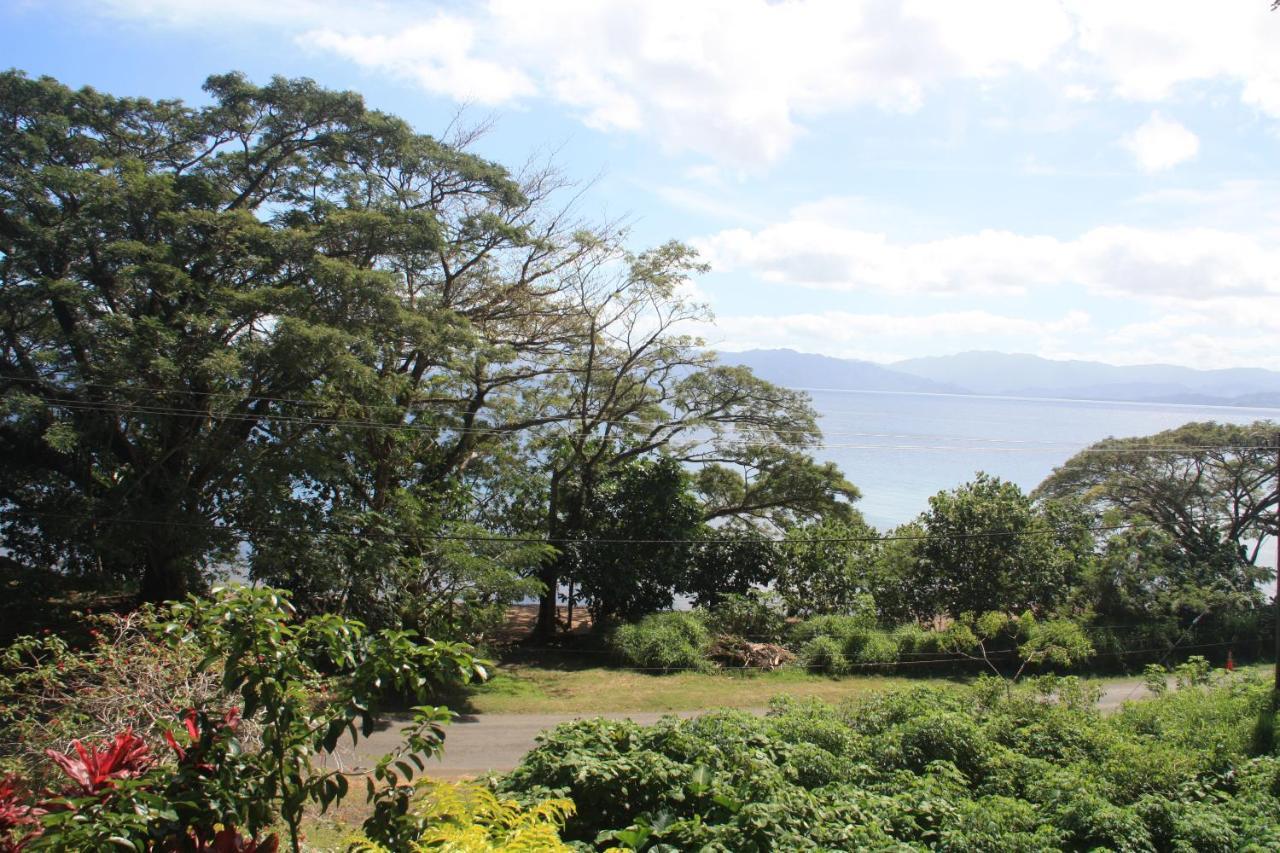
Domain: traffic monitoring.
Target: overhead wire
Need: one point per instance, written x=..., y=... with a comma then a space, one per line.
x=989, y=445
x=528, y=540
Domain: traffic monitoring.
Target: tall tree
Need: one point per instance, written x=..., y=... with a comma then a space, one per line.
x=987, y=547
x=281, y=317
x=159, y=308
x=1203, y=484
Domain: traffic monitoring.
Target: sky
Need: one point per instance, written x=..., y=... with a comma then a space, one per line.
x=1085, y=179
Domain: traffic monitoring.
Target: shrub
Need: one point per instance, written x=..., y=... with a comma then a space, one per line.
x=128, y=677
x=304, y=683
x=873, y=647
x=926, y=768
x=469, y=818
x=836, y=644
x=664, y=641
x=826, y=655
x=841, y=628
x=756, y=615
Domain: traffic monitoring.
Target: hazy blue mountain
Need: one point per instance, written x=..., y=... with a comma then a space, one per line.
x=1017, y=375
x=1023, y=375
x=806, y=370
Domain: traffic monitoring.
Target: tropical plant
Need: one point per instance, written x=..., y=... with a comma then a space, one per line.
x=676, y=640
x=468, y=818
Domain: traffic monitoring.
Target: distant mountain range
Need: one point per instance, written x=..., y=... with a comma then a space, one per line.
x=1018, y=375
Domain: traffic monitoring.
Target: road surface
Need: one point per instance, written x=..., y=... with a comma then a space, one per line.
x=477, y=744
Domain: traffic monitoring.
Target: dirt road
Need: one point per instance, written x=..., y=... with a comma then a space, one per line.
x=481, y=743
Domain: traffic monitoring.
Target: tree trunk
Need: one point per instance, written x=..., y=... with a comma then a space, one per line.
x=164, y=577
x=545, y=628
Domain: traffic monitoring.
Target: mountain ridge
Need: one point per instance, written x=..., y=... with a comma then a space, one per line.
x=986, y=372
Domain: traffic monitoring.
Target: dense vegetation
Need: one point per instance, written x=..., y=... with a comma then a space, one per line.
x=940, y=769
x=397, y=387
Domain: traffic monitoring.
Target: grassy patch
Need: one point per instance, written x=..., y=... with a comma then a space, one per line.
x=527, y=689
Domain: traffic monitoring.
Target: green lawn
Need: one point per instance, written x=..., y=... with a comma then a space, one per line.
x=530, y=689
x=534, y=689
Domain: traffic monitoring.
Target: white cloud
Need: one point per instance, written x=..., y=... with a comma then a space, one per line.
x=1160, y=143
x=1145, y=49
x=731, y=79
x=1080, y=93
x=738, y=80
x=1190, y=264
x=883, y=336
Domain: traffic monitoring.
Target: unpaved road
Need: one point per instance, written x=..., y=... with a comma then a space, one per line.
x=481, y=743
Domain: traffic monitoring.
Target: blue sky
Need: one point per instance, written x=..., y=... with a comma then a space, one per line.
x=1092, y=179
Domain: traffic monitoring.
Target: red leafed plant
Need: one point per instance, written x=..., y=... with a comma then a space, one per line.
x=94, y=768
x=15, y=814
x=229, y=840
x=197, y=723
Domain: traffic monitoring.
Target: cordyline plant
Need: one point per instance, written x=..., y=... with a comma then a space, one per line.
x=276, y=667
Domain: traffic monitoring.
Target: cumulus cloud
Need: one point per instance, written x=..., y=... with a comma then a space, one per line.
x=737, y=80
x=1160, y=143
x=880, y=335
x=1180, y=264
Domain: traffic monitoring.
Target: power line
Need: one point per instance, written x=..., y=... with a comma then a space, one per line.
x=437, y=429
x=563, y=417
x=572, y=542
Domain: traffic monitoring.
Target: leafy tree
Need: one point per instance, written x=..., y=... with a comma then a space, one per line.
x=632, y=559
x=733, y=561
x=824, y=567
x=1056, y=641
x=1204, y=484
x=775, y=486
x=987, y=547
x=639, y=386
x=154, y=313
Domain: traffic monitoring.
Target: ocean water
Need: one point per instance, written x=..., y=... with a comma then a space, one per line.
x=901, y=448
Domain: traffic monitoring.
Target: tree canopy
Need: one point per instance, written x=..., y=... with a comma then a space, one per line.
x=285, y=331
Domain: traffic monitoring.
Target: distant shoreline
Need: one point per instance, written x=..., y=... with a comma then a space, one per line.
x=1095, y=400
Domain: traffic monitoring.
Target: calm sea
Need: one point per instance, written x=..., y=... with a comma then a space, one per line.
x=901, y=448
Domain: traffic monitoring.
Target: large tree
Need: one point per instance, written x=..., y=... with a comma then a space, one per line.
x=168, y=290
x=281, y=318
x=1203, y=484
x=285, y=329
x=987, y=547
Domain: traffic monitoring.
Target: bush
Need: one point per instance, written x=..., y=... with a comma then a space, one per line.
x=840, y=628
x=757, y=616
x=469, y=818
x=873, y=647
x=52, y=693
x=926, y=768
x=664, y=641
x=302, y=683
x=837, y=644
x=826, y=655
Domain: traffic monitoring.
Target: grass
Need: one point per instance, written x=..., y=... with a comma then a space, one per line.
x=530, y=689
x=524, y=688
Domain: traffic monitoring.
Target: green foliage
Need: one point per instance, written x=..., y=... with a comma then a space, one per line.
x=664, y=641
x=824, y=568
x=127, y=676
x=929, y=768
x=467, y=818
x=825, y=654
x=736, y=562
x=987, y=547
x=838, y=644
x=755, y=615
x=646, y=500
x=300, y=684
